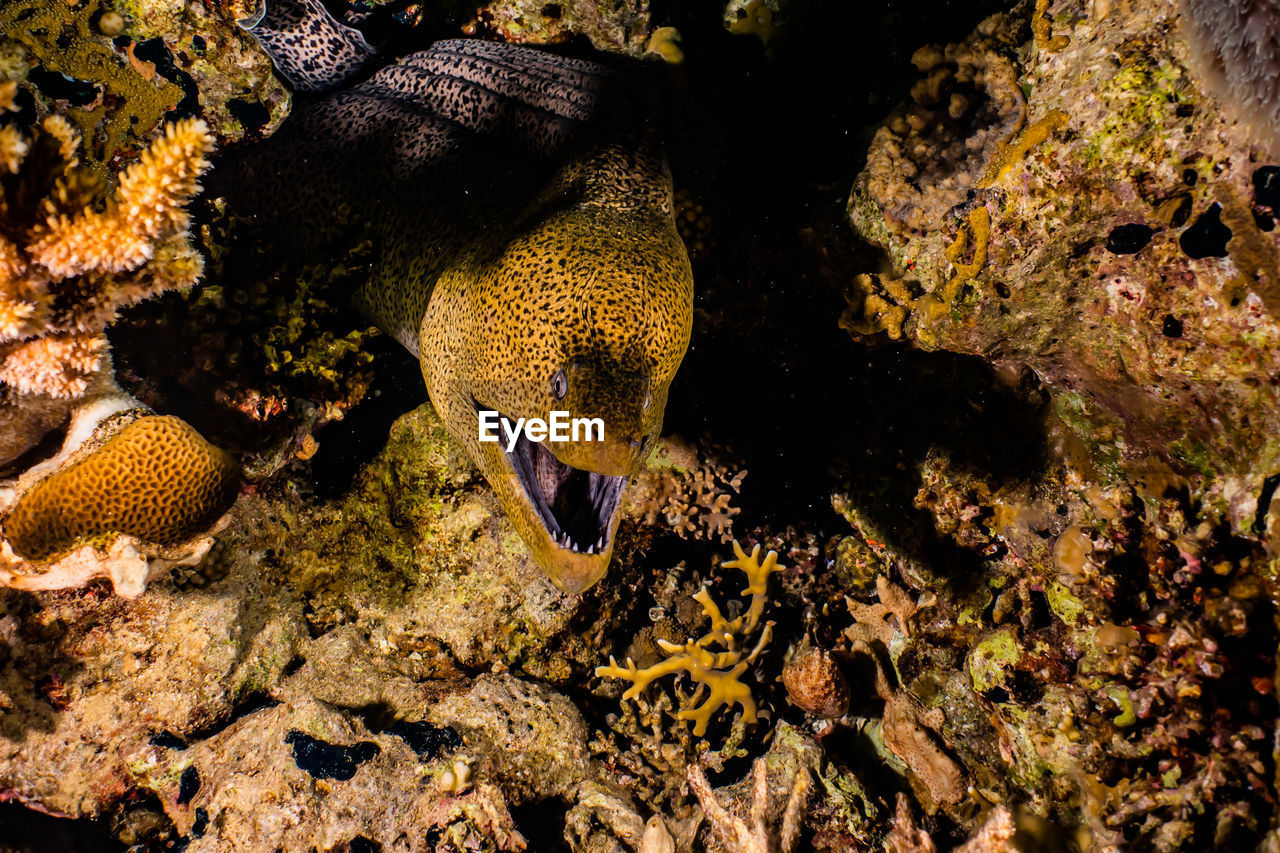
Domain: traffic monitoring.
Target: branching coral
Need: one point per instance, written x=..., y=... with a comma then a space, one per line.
x=741, y=836
x=1235, y=47
x=70, y=260
x=717, y=673
x=69, y=268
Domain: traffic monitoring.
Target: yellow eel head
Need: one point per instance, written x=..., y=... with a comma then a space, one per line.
x=586, y=312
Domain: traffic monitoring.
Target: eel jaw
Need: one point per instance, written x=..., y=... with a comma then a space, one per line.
x=570, y=515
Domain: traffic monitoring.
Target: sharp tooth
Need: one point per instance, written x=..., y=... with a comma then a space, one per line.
x=591, y=549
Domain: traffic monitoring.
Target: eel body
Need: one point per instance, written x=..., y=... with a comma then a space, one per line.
x=526, y=254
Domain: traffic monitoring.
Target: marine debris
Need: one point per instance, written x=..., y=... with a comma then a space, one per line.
x=717, y=674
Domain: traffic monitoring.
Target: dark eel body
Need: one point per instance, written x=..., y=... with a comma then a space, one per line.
x=527, y=255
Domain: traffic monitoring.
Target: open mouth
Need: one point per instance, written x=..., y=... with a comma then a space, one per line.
x=576, y=506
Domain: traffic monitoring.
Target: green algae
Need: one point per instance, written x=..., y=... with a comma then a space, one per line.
x=990, y=659
x=61, y=38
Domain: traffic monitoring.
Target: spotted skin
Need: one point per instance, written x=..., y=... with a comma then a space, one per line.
x=311, y=50
x=523, y=217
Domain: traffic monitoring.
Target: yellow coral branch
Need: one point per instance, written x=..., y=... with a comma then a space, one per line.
x=148, y=206
x=716, y=673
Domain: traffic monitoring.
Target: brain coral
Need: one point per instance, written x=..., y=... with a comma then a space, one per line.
x=156, y=479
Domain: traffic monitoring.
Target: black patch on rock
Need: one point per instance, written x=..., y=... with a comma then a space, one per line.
x=60, y=87
x=167, y=740
x=1266, y=187
x=426, y=740
x=328, y=760
x=360, y=844
x=1172, y=326
x=252, y=115
x=1207, y=237
x=1128, y=239
x=201, y=823
x=188, y=785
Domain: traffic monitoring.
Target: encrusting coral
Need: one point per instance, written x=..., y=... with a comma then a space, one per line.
x=717, y=673
x=60, y=37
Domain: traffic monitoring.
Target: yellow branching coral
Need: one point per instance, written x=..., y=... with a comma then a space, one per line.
x=717, y=673
x=147, y=209
x=67, y=267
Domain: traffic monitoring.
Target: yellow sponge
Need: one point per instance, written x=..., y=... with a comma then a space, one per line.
x=157, y=479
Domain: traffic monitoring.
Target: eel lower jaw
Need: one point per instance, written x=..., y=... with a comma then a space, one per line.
x=577, y=508
x=567, y=516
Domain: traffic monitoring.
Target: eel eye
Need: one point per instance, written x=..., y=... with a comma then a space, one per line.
x=559, y=384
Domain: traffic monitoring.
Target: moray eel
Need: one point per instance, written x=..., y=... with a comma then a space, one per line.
x=526, y=253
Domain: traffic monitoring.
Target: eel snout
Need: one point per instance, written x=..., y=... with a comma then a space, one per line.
x=566, y=513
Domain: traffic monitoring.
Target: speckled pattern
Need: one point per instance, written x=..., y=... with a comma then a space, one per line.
x=522, y=212
x=157, y=479
x=310, y=49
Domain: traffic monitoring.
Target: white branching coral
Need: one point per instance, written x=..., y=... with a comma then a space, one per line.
x=753, y=836
x=1236, y=50
x=717, y=673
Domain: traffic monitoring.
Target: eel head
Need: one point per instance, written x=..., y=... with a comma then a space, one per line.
x=586, y=313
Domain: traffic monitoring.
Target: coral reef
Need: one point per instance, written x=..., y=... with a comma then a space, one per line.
x=1041, y=616
x=1120, y=136
x=536, y=739
x=688, y=490
x=75, y=256
x=273, y=350
x=717, y=674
